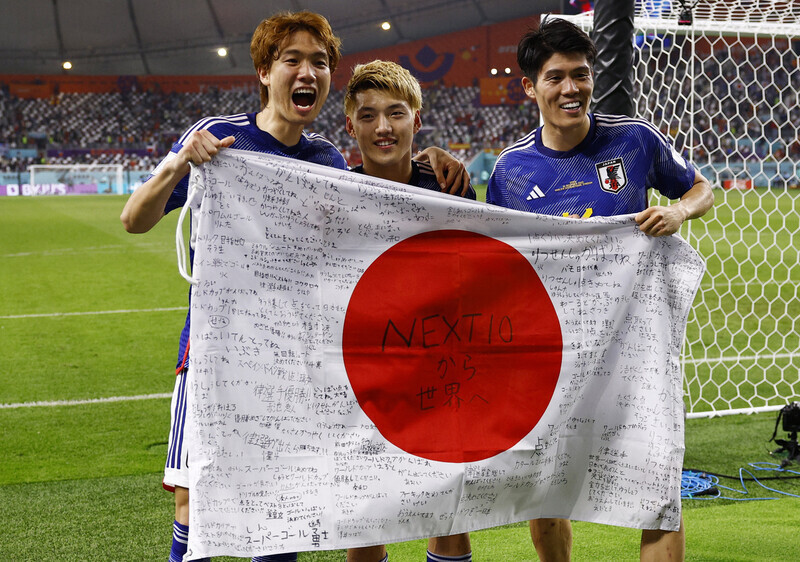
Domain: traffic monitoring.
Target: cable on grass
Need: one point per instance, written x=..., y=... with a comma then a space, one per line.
x=703, y=485
x=694, y=483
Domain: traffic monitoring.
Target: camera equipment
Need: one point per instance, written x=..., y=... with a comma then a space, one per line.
x=791, y=424
x=791, y=417
x=685, y=16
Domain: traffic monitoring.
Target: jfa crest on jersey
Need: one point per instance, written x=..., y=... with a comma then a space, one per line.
x=612, y=175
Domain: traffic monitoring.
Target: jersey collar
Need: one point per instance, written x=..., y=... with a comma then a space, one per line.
x=569, y=153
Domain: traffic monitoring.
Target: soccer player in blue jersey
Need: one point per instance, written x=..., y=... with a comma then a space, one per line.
x=579, y=164
x=382, y=106
x=294, y=55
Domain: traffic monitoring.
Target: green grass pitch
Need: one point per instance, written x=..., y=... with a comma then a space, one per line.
x=89, y=313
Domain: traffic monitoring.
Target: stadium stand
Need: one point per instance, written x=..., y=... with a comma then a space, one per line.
x=135, y=127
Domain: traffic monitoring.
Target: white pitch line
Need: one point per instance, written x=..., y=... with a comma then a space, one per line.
x=52, y=314
x=65, y=251
x=88, y=401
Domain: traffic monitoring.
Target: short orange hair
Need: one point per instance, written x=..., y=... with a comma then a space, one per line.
x=273, y=31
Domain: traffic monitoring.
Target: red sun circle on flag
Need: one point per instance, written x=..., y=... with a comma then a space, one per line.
x=452, y=345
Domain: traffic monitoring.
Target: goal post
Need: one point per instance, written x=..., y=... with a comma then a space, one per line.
x=73, y=179
x=723, y=81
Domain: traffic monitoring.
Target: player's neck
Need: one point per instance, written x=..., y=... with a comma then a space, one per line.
x=400, y=172
x=283, y=131
x=563, y=139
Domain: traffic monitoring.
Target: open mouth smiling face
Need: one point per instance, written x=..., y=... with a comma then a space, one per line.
x=304, y=98
x=298, y=80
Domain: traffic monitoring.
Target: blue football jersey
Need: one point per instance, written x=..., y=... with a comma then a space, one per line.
x=422, y=176
x=610, y=171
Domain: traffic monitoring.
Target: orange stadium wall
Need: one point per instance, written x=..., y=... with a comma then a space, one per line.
x=456, y=59
x=43, y=86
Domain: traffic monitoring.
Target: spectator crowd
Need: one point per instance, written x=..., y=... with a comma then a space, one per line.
x=746, y=109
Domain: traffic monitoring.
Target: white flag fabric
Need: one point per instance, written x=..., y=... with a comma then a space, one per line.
x=373, y=362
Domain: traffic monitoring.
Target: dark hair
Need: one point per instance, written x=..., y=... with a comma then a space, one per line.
x=270, y=34
x=555, y=35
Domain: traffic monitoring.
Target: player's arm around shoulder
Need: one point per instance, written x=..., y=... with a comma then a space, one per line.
x=451, y=174
x=145, y=207
x=663, y=220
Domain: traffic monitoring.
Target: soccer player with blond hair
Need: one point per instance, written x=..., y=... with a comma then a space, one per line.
x=382, y=105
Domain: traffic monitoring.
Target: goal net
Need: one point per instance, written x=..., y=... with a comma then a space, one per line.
x=72, y=179
x=725, y=86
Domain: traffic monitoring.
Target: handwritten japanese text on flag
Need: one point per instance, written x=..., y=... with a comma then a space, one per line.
x=374, y=363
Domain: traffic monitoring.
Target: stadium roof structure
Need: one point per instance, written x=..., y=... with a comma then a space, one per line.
x=182, y=37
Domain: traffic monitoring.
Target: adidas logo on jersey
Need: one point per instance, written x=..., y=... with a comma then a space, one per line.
x=535, y=193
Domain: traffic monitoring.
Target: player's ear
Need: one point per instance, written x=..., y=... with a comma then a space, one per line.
x=348, y=126
x=527, y=85
x=417, y=122
x=263, y=76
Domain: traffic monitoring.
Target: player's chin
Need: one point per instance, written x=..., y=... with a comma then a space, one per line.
x=307, y=114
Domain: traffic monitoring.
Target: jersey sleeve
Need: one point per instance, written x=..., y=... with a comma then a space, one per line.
x=671, y=174
x=178, y=197
x=496, y=193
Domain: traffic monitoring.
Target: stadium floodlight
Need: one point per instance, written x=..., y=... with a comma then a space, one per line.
x=725, y=88
x=222, y=51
